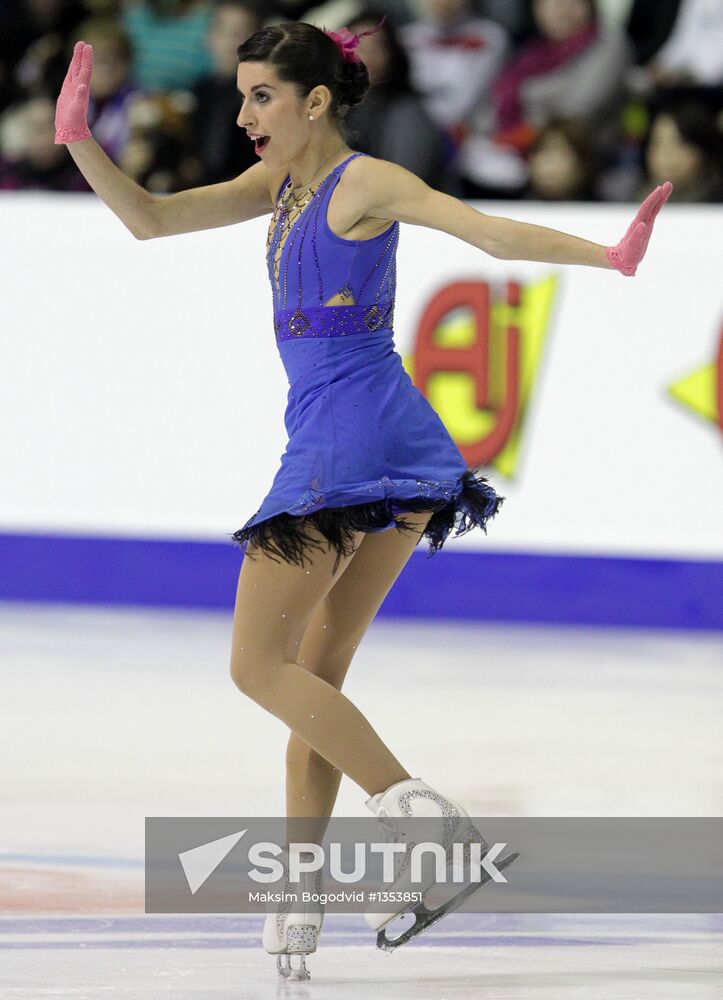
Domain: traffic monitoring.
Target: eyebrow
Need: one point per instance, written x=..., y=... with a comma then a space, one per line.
x=256, y=87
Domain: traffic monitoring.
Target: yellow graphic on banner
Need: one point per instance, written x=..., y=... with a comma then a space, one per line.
x=698, y=392
x=702, y=390
x=452, y=394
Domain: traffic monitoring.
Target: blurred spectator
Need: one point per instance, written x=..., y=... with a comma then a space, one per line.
x=453, y=54
x=168, y=42
x=614, y=12
x=104, y=8
x=686, y=64
x=111, y=86
x=32, y=56
x=25, y=21
x=157, y=154
x=222, y=148
x=332, y=14
x=38, y=164
x=391, y=123
x=561, y=163
x=684, y=146
x=574, y=68
x=292, y=10
x=163, y=102
x=515, y=16
x=649, y=25
x=691, y=52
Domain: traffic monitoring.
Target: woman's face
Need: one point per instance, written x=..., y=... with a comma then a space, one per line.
x=374, y=52
x=555, y=170
x=559, y=19
x=274, y=110
x=670, y=157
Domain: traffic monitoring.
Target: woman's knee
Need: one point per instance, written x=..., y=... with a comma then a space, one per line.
x=333, y=669
x=240, y=675
x=251, y=677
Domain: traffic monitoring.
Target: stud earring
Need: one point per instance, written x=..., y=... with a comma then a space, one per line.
x=311, y=118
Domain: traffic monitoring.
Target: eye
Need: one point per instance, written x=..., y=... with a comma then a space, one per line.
x=258, y=96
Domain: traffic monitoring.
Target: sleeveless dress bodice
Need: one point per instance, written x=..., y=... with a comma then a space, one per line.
x=309, y=265
x=364, y=444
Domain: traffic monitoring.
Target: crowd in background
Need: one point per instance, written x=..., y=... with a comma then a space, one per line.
x=564, y=100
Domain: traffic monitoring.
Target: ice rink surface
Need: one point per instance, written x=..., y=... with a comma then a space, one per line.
x=111, y=715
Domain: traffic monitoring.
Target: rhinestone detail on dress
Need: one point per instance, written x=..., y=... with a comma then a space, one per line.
x=288, y=229
x=373, y=318
x=298, y=323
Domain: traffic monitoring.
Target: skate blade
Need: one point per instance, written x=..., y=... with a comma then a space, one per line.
x=289, y=973
x=424, y=917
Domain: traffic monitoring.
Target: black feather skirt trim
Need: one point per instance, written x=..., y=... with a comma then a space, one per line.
x=283, y=537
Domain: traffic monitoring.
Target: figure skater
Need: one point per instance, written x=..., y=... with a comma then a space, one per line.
x=369, y=469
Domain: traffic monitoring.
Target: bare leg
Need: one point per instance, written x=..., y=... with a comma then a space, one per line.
x=328, y=646
x=328, y=721
x=275, y=600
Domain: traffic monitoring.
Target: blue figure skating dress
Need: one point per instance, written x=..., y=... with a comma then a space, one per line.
x=364, y=443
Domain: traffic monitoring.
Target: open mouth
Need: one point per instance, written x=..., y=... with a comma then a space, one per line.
x=261, y=142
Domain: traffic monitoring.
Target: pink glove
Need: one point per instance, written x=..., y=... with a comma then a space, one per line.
x=631, y=249
x=72, y=108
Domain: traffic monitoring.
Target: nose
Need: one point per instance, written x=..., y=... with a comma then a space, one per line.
x=241, y=120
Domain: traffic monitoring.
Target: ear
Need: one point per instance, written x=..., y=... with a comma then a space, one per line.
x=319, y=99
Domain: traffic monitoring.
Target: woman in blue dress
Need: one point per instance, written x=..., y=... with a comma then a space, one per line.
x=369, y=469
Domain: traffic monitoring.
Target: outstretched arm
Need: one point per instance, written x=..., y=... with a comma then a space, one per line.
x=130, y=202
x=387, y=191
x=145, y=215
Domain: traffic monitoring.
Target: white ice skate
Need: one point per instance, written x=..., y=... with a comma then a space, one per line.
x=410, y=799
x=293, y=928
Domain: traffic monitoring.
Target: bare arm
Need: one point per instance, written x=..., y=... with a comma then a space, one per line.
x=247, y=196
x=130, y=202
x=388, y=191
x=145, y=215
x=149, y=216
x=510, y=240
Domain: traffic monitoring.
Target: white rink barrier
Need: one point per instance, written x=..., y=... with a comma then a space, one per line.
x=142, y=395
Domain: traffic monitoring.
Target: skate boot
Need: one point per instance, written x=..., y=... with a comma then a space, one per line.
x=413, y=798
x=293, y=928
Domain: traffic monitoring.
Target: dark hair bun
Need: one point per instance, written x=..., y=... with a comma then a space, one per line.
x=353, y=84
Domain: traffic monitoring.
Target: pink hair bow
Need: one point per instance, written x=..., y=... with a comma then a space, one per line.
x=347, y=43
